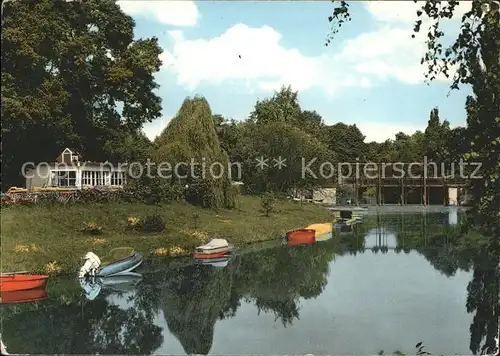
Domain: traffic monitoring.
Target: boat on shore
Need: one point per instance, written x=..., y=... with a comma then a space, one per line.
x=210, y=256
x=18, y=281
x=92, y=265
x=300, y=237
x=323, y=232
x=215, y=246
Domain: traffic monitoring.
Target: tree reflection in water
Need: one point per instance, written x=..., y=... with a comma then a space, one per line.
x=192, y=298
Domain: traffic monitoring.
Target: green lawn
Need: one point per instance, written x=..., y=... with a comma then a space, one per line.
x=33, y=237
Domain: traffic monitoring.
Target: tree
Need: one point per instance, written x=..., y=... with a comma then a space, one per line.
x=435, y=136
x=190, y=141
x=346, y=141
x=296, y=148
x=128, y=147
x=312, y=123
x=282, y=106
x=267, y=202
x=474, y=54
x=72, y=76
x=229, y=133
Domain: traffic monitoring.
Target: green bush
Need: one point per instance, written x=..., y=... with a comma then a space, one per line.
x=92, y=228
x=152, y=190
x=97, y=195
x=200, y=193
x=152, y=223
x=267, y=201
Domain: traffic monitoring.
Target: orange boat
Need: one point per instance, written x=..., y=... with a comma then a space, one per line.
x=301, y=237
x=23, y=296
x=16, y=282
x=203, y=256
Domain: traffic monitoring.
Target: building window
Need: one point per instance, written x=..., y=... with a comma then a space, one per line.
x=86, y=180
x=93, y=178
x=66, y=178
x=117, y=178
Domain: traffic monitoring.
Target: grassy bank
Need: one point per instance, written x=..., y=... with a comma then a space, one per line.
x=50, y=239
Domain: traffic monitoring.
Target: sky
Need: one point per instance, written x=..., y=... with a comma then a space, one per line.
x=237, y=52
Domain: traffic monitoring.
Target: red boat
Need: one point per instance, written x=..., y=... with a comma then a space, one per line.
x=16, y=282
x=23, y=296
x=203, y=256
x=301, y=237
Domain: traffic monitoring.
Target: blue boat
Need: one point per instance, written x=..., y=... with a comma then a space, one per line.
x=125, y=265
x=92, y=264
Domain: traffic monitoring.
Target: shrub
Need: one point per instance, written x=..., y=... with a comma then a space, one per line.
x=6, y=201
x=371, y=192
x=267, y=201
x=200, y=193
x=48, y=199
x=98, y=195
x=152, y=190
x=92, y=228
x=152, y=223
x=133, y=223
x=196, y=220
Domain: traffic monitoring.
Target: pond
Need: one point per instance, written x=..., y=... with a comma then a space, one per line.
x=391, y=282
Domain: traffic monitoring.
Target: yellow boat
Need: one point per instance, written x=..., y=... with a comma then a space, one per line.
x=323, y=231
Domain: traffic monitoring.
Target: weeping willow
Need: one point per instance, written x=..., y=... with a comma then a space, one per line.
x=190, y=142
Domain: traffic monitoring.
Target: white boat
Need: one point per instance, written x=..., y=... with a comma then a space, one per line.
x=214, y=246
x=3, y=349
x=214, y=262
x=123, y=282
x=92, y=264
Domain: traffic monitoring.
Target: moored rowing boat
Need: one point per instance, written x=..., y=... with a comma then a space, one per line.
x=323, y=231
x=203, y=256
x=301, y=237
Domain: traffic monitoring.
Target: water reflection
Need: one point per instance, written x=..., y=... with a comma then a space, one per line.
x=288, y=299
x=453, y=216
x=92, y=286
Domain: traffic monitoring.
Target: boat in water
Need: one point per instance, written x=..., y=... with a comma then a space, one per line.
x=346, y=218
x=92, y=265
x=323, y=232
x=300, y=237
x=18, y=281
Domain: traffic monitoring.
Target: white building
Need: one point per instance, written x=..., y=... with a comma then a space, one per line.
x=69, y=172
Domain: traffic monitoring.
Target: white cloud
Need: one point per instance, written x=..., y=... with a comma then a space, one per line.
x=255, y=57
x=390, y=51
x=176, y=13
x=379, y=132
